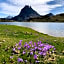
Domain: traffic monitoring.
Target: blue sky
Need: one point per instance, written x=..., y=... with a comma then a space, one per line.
x=13, y=7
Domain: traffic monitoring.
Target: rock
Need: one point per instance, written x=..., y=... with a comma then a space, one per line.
x=63, y=52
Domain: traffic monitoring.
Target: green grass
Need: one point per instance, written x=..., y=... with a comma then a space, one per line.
x=10, y=35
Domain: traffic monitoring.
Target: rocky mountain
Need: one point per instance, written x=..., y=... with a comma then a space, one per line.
x=45, y=18
x=26, y=13
x=9, y=17
x=48, y=18
x=50, y=14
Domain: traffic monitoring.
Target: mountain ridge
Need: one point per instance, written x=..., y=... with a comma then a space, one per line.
x=46, y=18
x=27, y=14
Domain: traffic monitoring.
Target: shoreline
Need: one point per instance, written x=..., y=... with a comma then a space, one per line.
x=17, y=24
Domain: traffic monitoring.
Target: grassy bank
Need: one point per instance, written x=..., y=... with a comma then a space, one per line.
x=10, y=35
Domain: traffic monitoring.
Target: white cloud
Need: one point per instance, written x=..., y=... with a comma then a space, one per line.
x=60, y=1
x=44, y=8
x=28, y=2
x=9, y=9
x=15, y=6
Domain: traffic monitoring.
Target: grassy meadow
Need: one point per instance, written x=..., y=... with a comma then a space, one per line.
x=10, y=35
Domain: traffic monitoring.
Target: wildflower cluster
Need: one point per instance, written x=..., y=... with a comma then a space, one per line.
x=32, y=52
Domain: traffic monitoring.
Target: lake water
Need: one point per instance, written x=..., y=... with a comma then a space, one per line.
x=53, y=29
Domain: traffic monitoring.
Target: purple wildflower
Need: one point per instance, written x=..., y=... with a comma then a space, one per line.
x=11, y=57
x=31, y=53
x=28, y=46
x=37, y=61
x=19, y=48
x=39, y=42
x=41, y=45
x=44, y=54
x=26, y=61
x=39, y=48
x=13, y=49
x=48, y=47
x=30, y=42
x=54, y=48
x=20, y=60
x=32, y=50
x=41, y=53
x=44, y=49
x=35, y=57
x=23, y=52
x=36, y=48
x=20, y=42
x=25, y=44
x=34, y=44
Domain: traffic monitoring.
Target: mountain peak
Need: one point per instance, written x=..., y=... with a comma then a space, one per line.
x=26, y=13
x=27, y=6
x=26, y=9
x=50, y=14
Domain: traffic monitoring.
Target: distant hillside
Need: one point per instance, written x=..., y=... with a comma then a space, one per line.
x=9, y=17
x=6, y=20
x=49, y=15
x=26, y=13
x=47, y=18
